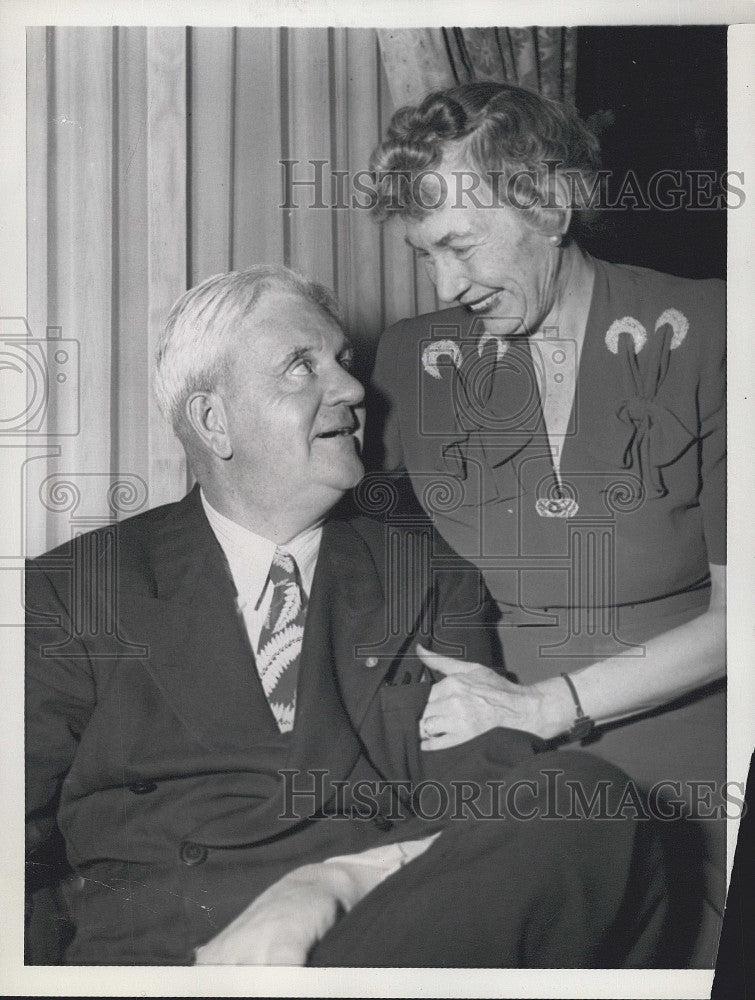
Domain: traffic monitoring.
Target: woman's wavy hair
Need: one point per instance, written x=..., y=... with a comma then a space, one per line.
x=498, y=130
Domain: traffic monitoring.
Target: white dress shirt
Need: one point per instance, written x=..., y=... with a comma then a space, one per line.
x=249, y=558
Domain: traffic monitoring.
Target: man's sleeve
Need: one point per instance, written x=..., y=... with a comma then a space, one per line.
x=59, y=702
x=464, y=613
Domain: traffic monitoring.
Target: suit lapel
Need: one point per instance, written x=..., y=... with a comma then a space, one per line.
x=199, y=654
x=199, y=657
x=346, y=611
x=337, y=680
x=357, y=605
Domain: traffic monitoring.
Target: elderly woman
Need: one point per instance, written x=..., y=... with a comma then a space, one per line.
x=564, y=425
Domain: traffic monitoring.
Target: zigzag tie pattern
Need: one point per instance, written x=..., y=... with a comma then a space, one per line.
x=279, y=646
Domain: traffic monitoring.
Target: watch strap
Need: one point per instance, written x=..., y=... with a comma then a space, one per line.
x=583, y=725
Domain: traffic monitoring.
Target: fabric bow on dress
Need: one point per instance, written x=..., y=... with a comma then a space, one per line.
x=656, y=436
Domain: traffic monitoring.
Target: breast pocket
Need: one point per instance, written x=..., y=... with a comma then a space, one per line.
x=402, y=706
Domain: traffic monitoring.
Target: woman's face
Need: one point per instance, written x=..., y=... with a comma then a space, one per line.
x=486, y=257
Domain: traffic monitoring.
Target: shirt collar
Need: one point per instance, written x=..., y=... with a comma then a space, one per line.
x=249, y=555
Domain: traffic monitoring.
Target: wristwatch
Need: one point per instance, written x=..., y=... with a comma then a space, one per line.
x=583, y=725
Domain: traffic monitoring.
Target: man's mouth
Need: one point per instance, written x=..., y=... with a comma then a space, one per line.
x=337, y=432
x=485, y=304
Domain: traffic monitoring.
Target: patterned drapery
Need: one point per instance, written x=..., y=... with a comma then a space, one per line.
x=421, y=59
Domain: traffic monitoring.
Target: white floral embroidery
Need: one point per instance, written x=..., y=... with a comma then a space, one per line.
x=630, y=325
x=678, y=323
x=502, y=345
x=436, y=350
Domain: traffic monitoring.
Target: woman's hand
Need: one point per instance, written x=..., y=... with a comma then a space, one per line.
x=472, y=699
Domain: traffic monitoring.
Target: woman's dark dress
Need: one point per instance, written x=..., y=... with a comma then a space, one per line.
x=642, y=480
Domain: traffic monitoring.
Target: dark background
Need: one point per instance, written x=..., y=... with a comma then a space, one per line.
x=665, y=88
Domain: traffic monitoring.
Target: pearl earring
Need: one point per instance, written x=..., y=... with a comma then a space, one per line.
x=556, y=239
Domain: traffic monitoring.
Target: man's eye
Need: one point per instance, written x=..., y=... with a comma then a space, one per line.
x=462, y=252
x=302, y=366
x=347, y=361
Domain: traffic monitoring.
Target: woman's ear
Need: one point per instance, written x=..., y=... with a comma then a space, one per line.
x=206, y=415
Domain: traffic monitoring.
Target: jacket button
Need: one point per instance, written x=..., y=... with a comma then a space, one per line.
x=383, y=823
x=142, y=787
x=193, y=854
x=371, y=662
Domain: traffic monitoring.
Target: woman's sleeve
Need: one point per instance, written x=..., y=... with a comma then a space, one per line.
x=712, y=414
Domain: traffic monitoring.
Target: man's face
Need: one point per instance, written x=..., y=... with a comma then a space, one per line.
x=488, y=259
x=293, y=409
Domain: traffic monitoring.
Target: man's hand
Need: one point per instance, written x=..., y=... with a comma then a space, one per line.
x=472, y=699
x=283, y=924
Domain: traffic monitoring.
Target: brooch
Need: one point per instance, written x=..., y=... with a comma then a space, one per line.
x=556, y=507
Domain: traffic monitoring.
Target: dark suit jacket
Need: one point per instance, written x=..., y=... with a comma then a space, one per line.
x=151, y=748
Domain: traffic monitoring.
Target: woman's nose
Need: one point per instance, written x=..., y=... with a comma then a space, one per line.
x=449, y=278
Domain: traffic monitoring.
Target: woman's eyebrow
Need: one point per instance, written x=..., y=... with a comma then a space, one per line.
x=442, y=242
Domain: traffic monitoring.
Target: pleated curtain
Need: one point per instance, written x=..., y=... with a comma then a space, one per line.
x=154, y=160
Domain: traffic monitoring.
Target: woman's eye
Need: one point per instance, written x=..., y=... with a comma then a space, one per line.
x=347, y=361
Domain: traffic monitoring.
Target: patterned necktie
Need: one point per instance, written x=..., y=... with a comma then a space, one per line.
x=279, y=646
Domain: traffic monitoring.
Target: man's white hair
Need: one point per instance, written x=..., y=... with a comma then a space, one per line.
x=202, y=326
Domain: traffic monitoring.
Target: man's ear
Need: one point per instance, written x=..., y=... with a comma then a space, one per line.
x=559, y=207
x=206, y=415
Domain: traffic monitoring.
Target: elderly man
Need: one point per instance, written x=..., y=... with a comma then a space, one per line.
x=223, y=698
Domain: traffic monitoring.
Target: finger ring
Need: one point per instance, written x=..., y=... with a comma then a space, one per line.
x=424, y=731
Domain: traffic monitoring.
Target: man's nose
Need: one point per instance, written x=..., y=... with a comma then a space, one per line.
x=345, y=388
x=450, y=280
